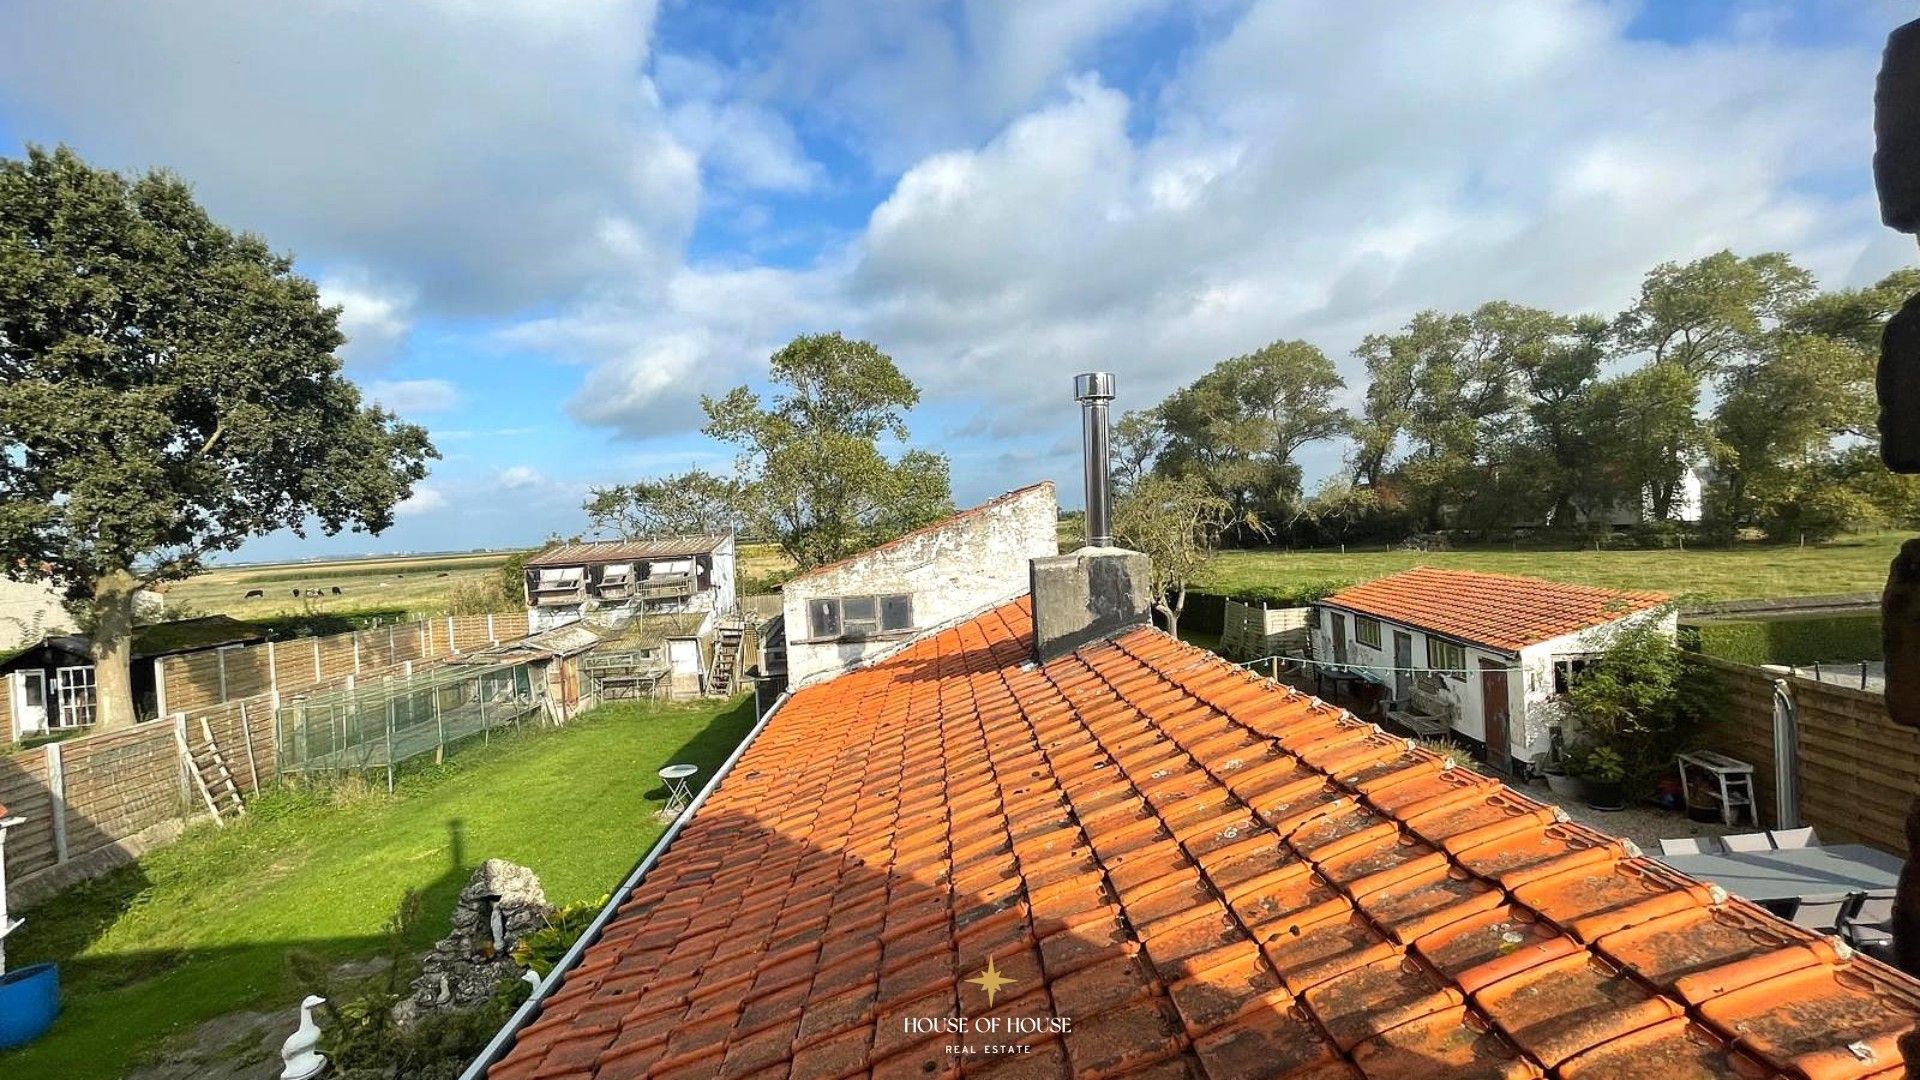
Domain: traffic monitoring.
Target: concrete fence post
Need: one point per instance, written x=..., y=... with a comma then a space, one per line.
x=273, y=673
x=492, y=638
x=180, y=740
x=356, y=652
x=220, y=659
x=453, y=640
x=316, y=661
x=57, y=799
x=160, y=686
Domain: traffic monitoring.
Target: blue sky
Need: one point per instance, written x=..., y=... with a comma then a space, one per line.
x=553, y=227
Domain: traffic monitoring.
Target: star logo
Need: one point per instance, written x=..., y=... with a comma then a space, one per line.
x=991, y=981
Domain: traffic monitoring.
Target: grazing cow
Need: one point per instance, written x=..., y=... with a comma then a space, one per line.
x=296, y=592
x=251, y=593
x=336, y=590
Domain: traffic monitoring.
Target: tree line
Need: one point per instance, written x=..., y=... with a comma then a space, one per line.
x=1738, y=373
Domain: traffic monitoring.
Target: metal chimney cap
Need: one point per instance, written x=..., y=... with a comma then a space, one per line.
x=1093, y=386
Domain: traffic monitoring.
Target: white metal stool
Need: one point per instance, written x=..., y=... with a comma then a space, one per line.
x=679, y=794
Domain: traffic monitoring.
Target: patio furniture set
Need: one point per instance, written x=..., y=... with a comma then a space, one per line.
x=1845, y=889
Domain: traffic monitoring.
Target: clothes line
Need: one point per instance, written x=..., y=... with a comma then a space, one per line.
x=1350, y=666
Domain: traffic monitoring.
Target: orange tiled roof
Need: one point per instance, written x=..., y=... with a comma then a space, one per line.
x=1501, y=610
x=1204, y=873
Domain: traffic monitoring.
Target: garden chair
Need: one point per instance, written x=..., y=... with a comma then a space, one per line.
x=1690, y=845
x=1750, y=841
x=1785, y=839
x=1825, y=911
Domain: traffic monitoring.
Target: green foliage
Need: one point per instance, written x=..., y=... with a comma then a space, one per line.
x=357, y=1028
x=1794, y=640
x=168, y=390
x=686, y=504
x=1239, y=426
x=323, y=623
x=812, y=474
x=1597, y=762
x=1176, y=522
x=543, y=949
x=1636, y=704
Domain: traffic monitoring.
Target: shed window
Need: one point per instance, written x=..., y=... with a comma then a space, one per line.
x=859, y=616
x=1446, y=657
x=1366, y=631
x=823, y=618
x=896, y=613
x=1566, y=669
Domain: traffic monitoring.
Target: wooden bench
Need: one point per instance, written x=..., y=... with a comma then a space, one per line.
x=1425, y=713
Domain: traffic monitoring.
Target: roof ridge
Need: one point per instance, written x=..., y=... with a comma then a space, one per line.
x=957, y=515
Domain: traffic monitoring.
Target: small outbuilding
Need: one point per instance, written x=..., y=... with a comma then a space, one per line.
x=1483, y=657
x=51, y=686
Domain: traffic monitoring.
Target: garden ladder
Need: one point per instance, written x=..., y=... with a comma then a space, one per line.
x=207, y=767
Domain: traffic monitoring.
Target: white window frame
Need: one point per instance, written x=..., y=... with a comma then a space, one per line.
x=1434, y=663
x=70, y=683
x=1360, y=625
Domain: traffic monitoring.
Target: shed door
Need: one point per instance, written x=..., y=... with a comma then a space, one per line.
x=683, y=655
x=1339, y=638
x=1494, y=701
x=1402, y=665
x=29, y=702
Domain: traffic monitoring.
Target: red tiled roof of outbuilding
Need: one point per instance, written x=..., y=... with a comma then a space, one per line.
x=1197, y=873
x=1501, y=610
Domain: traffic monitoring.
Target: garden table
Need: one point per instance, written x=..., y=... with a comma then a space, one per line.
x=679, y=795
x=1793, y=873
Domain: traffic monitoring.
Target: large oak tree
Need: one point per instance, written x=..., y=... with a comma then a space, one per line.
x=168, y=389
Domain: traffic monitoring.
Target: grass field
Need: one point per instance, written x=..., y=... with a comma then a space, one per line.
x=419, y=585
x=202, y=927
x=1851, y=564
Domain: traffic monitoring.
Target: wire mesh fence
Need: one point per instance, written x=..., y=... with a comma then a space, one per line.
x=379, y=725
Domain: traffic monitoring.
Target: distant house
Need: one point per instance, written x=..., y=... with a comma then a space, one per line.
x=840, y=614
x=684, y=581
x=611, y=581
x=51, y=684
x=1487, y=654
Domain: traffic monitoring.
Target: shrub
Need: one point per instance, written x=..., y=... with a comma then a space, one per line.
x=542, y=950
x=1640, y=701
x=1794, y=640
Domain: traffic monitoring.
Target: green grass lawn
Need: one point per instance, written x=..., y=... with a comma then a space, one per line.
x=1851, y=564
x=202, y=927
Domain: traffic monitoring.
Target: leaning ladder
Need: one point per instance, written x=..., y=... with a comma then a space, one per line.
x=208, y=768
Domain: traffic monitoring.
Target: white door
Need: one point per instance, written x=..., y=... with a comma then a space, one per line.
x=29, y=702
x=683, y=655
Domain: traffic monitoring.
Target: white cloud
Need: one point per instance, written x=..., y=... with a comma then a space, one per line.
x=424, y=500
x=520, y=478
x=412, y=397
x=375, y=320
x=490, y=156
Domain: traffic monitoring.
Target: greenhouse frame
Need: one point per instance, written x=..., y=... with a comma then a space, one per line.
x=379, y=725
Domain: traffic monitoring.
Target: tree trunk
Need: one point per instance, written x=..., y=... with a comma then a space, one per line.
x=112, y=637
x=1173, y=612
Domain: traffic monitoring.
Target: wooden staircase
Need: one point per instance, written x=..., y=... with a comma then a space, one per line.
x=207, y=768
x=723, y=677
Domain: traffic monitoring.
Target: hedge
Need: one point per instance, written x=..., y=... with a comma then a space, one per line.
x=1206, y=612
x=1792, y=639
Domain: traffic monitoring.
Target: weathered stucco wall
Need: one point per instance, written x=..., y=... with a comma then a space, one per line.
x=972, y=560
x=29, y=611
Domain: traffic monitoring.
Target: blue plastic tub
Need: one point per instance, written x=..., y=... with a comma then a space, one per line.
x=29, y=1000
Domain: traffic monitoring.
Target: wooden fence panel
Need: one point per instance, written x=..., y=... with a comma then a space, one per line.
x=1858, y=770
x=118, y=784
x=24, y=792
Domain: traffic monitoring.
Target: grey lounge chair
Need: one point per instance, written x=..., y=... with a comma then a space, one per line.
x=1823, y=912
x=1795, y=838
x=1690, y=845
x=1751, y=841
